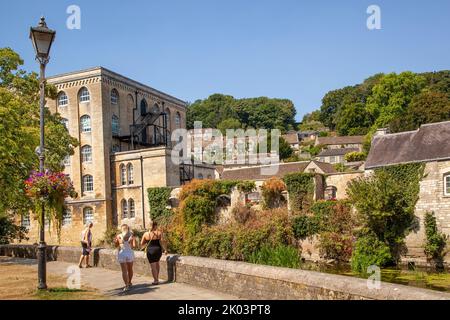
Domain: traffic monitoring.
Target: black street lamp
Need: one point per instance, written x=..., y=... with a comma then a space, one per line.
x=42, y=39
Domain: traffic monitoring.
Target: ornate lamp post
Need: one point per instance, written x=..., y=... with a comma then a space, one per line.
x=42, y=39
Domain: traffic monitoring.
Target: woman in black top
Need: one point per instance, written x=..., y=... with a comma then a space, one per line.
x=155, y=248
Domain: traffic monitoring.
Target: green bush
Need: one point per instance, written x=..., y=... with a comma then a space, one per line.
x=301, y=190
x=279, y=256
x=246, y=186
x=370, y=251
x=108, y=237
x=9, y=231
x=435, y=241
x=304, y=226
x=158, y=199
x=197, y=211
x=355, y=156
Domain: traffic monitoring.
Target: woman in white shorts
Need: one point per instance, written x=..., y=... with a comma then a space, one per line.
x=125, y=243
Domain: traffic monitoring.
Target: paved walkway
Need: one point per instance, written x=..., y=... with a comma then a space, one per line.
x=109, y=283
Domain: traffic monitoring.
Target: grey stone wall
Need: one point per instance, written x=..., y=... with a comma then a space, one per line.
x=245, y=280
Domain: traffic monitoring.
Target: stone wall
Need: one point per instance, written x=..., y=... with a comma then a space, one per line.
x=245, y=280
x=340, y=181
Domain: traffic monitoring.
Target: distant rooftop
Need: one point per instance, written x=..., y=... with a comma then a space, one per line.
x=341, y=140
x=430, y=142
x=336, y=152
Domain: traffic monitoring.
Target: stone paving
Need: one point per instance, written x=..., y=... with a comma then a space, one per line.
x=109, y=283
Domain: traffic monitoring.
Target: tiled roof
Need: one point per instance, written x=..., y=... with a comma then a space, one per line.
x=325, y=167
x=254, y=173
x=336, y=152
x=340, y=140
x=429, y=143
x=291, y=138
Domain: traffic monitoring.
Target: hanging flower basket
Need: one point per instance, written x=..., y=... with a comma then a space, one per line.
x=50, y=189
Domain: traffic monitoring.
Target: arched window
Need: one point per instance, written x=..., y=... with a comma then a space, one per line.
x=114, y=96
x=84, y=95
x=178, y=120
x=88, y=215
x=168, y=117
x=155, y=109
x=131, y=208
x=124, y=209
x=88, y=183
x=62, y=99
x=85, y=123
x=67, y=217
x=130, y=173
x=123, y=175
x=115, y=125
x=447, y=184
x=65, y=123
x=143, y=107
x=86, y=153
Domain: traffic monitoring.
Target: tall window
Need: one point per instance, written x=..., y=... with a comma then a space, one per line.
x=115, y=125
x=67, y=217
x=88, y=183
x=66, y=161
x=85, y=123
x=114, y=96
x=177, y=120
x=25, y=221
x=62, y=99
x=65, y=123
x=447, y=184
x=131, y=208
x=88, y=215
x=84, y=95
x=86, y=153
x=143, y=107
x=130, y=173
x=124, y=209
x=123, y=175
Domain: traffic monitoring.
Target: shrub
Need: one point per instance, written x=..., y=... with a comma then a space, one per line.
x=246, y=186
x=355, y=156
x=9, y=231
x=241, y=213
x=435, y=241
x=108, y=237
x=304, y=226
x=158, y=199
x=197, y=211
x=272, y=193
x=369, y=250
x=301, y=190
x=280, y=256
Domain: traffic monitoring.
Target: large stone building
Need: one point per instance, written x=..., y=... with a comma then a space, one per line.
x=430, y=145
x=124, y=129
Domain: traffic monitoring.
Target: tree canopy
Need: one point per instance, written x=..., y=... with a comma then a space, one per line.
x=220, y=111
x=19, y=132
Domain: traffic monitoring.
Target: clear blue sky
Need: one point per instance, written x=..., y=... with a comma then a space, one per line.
x=193, y=48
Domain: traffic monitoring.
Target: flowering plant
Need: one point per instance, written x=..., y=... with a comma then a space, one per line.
x=50, y=189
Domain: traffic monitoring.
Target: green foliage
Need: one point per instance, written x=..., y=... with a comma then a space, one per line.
x=256, y=113
x=305, y=226
x=355, y=156
x=108, y=237
x=246, y=186
x=300, y=187
x=279, y=256
x=198, y=211
x=272, y=190
x=158, y=199
x=340, y=167
x=285, y=150
x=435, y=241
x=19, y=132
x=313, y=150
x=386, y=201
x=10, y=232
x=229, y=124
x=368, y=251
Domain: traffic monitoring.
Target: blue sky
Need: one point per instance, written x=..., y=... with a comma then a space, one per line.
x=193, y=48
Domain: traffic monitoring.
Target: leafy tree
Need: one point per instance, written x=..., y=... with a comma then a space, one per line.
x=9, y=231
x=352, y=119
x=285, y=150
x=229, y=124
x=19, y=132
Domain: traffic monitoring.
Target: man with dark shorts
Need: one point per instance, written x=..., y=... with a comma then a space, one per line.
x=86, y=245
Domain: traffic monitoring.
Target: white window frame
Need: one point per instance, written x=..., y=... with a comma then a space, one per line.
x=115, y=125
x=123, y=174
x=88, y=215
x=124, y=207
x=67, y=217
x=446, y=191
x=63, y=100
x=85, y=124
x=85, y=95
x=131, y=208
x=130, y=173
x=114, y=96
x=86, y=154
x=65, y=123
x=88, y=183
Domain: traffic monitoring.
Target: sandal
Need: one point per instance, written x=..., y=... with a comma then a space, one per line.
x=88, y=266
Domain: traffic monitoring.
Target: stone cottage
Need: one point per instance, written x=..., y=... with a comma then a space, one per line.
x=430, y=144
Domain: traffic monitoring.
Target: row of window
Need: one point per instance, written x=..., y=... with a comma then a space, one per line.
x=85, y=124
x=88, y=216
x=128, y=209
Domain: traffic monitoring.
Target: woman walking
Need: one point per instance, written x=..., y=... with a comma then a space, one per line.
x=126, y=242
x=154, y=239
